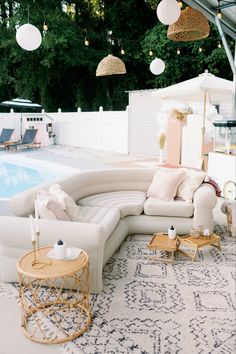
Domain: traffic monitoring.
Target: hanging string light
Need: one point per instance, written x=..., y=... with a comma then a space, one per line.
x=122, y=51
x=178, y=51
x=180, y=3
x=150, y=53
x=219, y=45
x=86, y=39
x=45, y=26
x=219, y=13
x=200, y=49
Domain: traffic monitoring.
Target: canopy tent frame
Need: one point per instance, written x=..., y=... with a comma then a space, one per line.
x=225, y=25
x=208, y=8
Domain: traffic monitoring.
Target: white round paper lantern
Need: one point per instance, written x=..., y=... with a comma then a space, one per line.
x=168, y=11
x=157, y=66
x=28, y=37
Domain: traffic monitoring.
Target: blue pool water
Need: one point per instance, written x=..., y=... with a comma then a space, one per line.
x=15, y=178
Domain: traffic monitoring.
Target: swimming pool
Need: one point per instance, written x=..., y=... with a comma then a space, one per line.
x=18, y=175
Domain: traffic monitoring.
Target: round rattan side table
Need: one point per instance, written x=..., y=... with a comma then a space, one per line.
x=54, y=298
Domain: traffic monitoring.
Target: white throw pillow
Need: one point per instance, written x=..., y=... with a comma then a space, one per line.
x=49, y=207
x=191, y=182
x=165, y=183
x=68, y=204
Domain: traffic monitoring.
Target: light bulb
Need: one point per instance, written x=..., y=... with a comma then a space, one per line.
x=122, y=51
x=219, y=14
x=219, y=45
x=180, y=3
x=150, y=53
x=86, y=41
x=45, y=27
x=178, y=51
x=200, y=49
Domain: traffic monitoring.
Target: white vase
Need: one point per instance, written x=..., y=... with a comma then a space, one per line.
x=60, y=250
x=172, y=233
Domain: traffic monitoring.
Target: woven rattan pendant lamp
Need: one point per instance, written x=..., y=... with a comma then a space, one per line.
x=192, y=25
x=110, y=65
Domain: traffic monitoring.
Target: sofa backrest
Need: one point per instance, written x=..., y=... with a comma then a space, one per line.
x=87, y=183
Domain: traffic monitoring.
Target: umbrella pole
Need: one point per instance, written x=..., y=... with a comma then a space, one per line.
x=203, y=130
x=21, y=125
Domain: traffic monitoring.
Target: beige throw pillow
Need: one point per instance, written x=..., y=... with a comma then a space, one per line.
x=68, y=204
x=191, y=182
x=49, y=207
x=165, y=183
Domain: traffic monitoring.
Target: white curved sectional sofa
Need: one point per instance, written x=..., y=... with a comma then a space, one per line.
x=113, y=204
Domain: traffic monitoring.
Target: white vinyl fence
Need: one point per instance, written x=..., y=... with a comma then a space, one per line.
x=103, y=130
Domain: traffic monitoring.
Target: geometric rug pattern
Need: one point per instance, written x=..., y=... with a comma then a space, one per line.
x=154, y=308
x=148, y=307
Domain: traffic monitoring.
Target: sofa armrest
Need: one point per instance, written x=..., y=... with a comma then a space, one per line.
x=204, y=202
x=15, y=234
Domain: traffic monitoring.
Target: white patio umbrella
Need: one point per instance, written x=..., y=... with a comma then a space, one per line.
x=204, y=87
x=21, y=103
x=206, y=84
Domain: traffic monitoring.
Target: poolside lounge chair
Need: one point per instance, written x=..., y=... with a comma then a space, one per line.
x=5, y=136
x=28, y=140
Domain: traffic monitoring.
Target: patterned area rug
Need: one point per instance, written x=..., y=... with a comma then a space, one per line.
x=154, y=308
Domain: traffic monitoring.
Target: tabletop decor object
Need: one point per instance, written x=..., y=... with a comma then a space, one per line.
x=37, y=262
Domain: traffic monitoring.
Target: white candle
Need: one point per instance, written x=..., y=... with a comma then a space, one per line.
x=36, y=215
x=32, y=228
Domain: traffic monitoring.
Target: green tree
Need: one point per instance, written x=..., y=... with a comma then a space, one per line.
x=61, y=73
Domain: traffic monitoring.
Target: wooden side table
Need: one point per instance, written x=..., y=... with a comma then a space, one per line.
x=161, y=242
x=57, y=293
x=197, y=243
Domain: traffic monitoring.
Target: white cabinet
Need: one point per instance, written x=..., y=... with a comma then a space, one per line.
x=222, y=168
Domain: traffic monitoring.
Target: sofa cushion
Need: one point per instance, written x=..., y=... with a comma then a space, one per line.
x=165, y=183
x=108, y=218
x=190, y=183
x=128, y=202
x=154, y=206
x=67, y=203
x=49, y=207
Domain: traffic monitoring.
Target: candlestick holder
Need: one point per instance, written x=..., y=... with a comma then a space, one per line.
x=39, y=262
x=37, y=237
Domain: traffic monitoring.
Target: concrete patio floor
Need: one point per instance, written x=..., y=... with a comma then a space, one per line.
x=82, y=158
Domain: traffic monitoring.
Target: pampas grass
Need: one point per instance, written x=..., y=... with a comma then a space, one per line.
x=162, y=139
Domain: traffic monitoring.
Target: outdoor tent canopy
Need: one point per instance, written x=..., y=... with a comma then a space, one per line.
x=227, y=25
